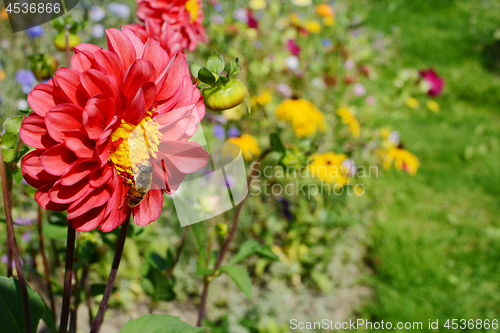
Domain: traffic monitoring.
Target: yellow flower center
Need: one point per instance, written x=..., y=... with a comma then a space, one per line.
x=192, y=7
x=134, y=145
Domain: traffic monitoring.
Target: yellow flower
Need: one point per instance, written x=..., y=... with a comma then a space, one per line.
x=384, y=132
x=348, y=118
x=302, y=3
x=325, y=10
x=412, y=102
x=248, y=145
x=3, y=15
x=262, y=99
x=258, y=4
x=2, y=75
x=313, y=27
x=403, y=160
x=329, y=21
x=305, y=118
x=433, y=106
x=328, y=167
x=294, y=19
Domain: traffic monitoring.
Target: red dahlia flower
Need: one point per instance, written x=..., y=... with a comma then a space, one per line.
x=170, y=40
x=182, y=16
x=85, y=125
x=435, y=81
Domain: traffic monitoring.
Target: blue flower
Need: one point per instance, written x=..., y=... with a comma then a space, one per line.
x=326, y=42
x=120, y=10
x=233, y=132
x=35, y=32
x=27, y=80
x=219, y=132
x=97, y=13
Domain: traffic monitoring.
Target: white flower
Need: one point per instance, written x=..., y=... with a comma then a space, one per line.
x=394, y=137
x=318, y=83
x=97, y=31
x=22, y=104
x=120, y=10
x=292, y=62
x=97, y=13
x=240, y=14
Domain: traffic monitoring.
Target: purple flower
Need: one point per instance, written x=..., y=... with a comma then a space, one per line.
x=27, y=80
x=35, y=32
x=435, y=81
x=217, y=19
x=26, y=237
x=284, y=89
x=326, y=42
x=219, y=132
x=293, y=47
x=23, y=221
x=4, y=261
x=233, y=132
x=359, y=89
x=218, y=7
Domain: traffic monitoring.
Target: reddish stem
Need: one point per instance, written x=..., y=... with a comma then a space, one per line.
x=45, y=264
x=68, y=277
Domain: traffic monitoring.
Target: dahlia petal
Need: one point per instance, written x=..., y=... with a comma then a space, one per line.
x=55, y=160
x=187, y=93
x=101, y=176
x=61, y=118
x=33, y=172
x=121, y=45
x=96, y=82
x=167, y=105
x=91, y=48
x=95, y=198
x=110, y=62
x=135, y=39
x=156, y=55
x=68, y=80
x=172, y=78
x=82, y=61
x=90, y=220
x=80, y=144
x=117, y=207
x=176, y=130
x=141, y=71
x=68, y=194
x=98, y=111
x=150, y=208
x=149, y=90
x=167, y=116
x=78, y=172
x=186, y=156
x=136, y=109
x=44, y=97
x=104, y=142
x=34, y=132
x=168, y=177
x=42, y=197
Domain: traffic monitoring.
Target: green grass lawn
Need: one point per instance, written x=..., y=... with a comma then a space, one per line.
x=436, y=237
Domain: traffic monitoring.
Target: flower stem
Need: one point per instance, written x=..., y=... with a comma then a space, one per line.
x=9, y=257
x=68, y=277
x=12, y=245
x=96, y=325
x=179, y=251
x=225, y=247
x=45, y=264
x=68, y=58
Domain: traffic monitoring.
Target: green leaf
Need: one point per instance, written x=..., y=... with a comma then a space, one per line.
x=158, y=261
x=205, y=75
x=48, y=319
x=266, y=251
x=9, y=155
x=248, y=248
x=18, y=176
x=8, y=140
x=12, y=125
x=276, y=143
x=215, y=63
x=163, y=288
x=234, y=68
x=200, y=238
x=26, y=112
x=241, y=278
x=201, y=268
x=11, y=307
x=195, y=68
x=160, y=324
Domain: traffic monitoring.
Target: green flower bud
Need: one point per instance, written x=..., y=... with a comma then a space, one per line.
x=43, y=66
x=225, y=95
x=60, y=41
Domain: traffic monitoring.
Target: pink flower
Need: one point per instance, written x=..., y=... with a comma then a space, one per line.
x=293, y=47
x=182, y=16
x=94, y=124
x=435, y=81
